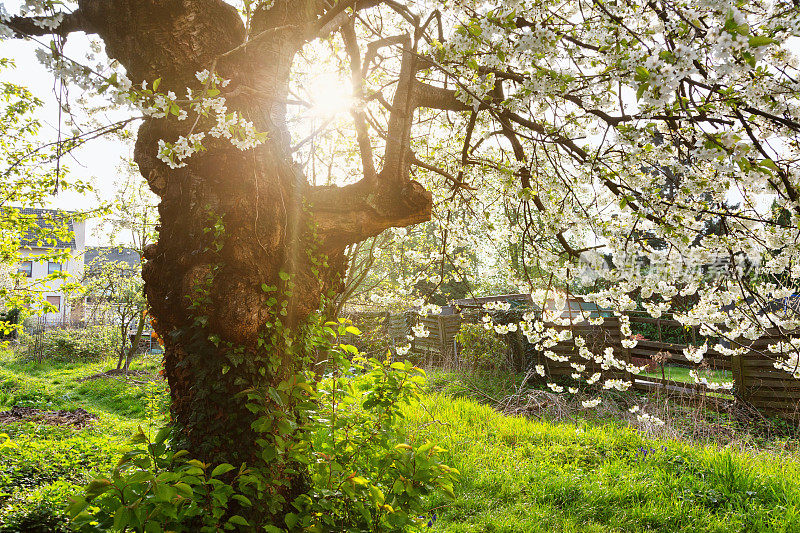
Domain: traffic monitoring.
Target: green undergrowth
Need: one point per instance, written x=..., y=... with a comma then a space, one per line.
x=520, y=475
x=47, y=463
x=517, y=475
x=53, y=385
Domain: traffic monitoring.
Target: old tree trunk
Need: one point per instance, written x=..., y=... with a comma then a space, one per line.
x=233, y=221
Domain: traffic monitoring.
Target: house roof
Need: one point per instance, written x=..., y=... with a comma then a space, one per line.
x=46, y=219
x=106, y=254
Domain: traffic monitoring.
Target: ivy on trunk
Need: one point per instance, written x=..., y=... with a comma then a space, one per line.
x=247, y=248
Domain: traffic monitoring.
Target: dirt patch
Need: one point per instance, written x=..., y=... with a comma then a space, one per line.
x=77, y=418
x=119, y=373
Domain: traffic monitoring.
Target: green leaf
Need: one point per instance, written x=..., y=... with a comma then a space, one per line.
x=198, y=464
x=76, y=505
x=139, y=437
x=244, y=500
x=760, y=40
x=376, y=495
x=398, y=487
x=139, y=476
x=447, y=488
x=156, y=83
x=184, y=490
x=353, y=330
x=162, y=434
x=770, y=164
x=219, y=470
x=284, y=276
x=238, y=520
x=96, y=487
x=291, y=520
x=640, y=91
x=122, y=518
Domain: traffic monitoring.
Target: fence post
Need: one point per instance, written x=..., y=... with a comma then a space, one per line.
x=739, y=376
x=440, y=327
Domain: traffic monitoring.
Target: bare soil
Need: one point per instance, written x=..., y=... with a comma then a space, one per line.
x=118, y=372
x=77, y=418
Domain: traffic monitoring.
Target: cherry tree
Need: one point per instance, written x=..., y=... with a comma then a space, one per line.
x=599, y=128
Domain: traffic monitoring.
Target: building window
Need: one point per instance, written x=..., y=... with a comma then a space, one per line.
x=53, y=267
x=26, y=268
x=55, y=301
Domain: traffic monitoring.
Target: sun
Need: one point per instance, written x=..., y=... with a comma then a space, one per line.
x=329, y=95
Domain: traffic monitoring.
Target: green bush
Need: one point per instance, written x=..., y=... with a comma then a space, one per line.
x=481, y=349
x=365, y=476
x=86, y=345
x=374, y=340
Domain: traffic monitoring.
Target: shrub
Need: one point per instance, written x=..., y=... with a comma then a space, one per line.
x=374, y=339
x=364, y=476
x=86, y=345
x=481, y=349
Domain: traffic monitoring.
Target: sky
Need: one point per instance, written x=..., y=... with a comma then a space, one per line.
x=96, y=160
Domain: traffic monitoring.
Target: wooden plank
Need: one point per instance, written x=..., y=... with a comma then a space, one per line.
x=766, y=373
x=753, y=362
x=648, y=320
x=715, y=402
x=770, y=392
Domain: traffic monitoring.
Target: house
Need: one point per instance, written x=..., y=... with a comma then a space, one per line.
x=32, y=246
x=96, y=256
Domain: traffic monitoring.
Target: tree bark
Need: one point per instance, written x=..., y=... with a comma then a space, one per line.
x=134, y=344
x=232, y=220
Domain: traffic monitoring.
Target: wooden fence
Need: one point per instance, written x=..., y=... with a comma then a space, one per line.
x=757, y=382
x=760, y=384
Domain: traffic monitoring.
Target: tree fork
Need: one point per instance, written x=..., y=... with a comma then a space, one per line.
x=233, y=221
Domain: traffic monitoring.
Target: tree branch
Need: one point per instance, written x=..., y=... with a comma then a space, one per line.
x=33, y=26
x=357, y=78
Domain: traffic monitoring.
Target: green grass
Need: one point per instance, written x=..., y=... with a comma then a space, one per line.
x=49, y=463
x=520, y=475
x=679, y=373
x=517, y=475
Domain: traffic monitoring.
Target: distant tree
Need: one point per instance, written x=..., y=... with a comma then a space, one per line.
x=114, y=290
x=117, y=285
x=29, y=176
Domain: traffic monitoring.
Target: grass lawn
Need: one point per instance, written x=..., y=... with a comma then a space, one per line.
x=518, y=475
x=679, y=373
x=49, y=462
